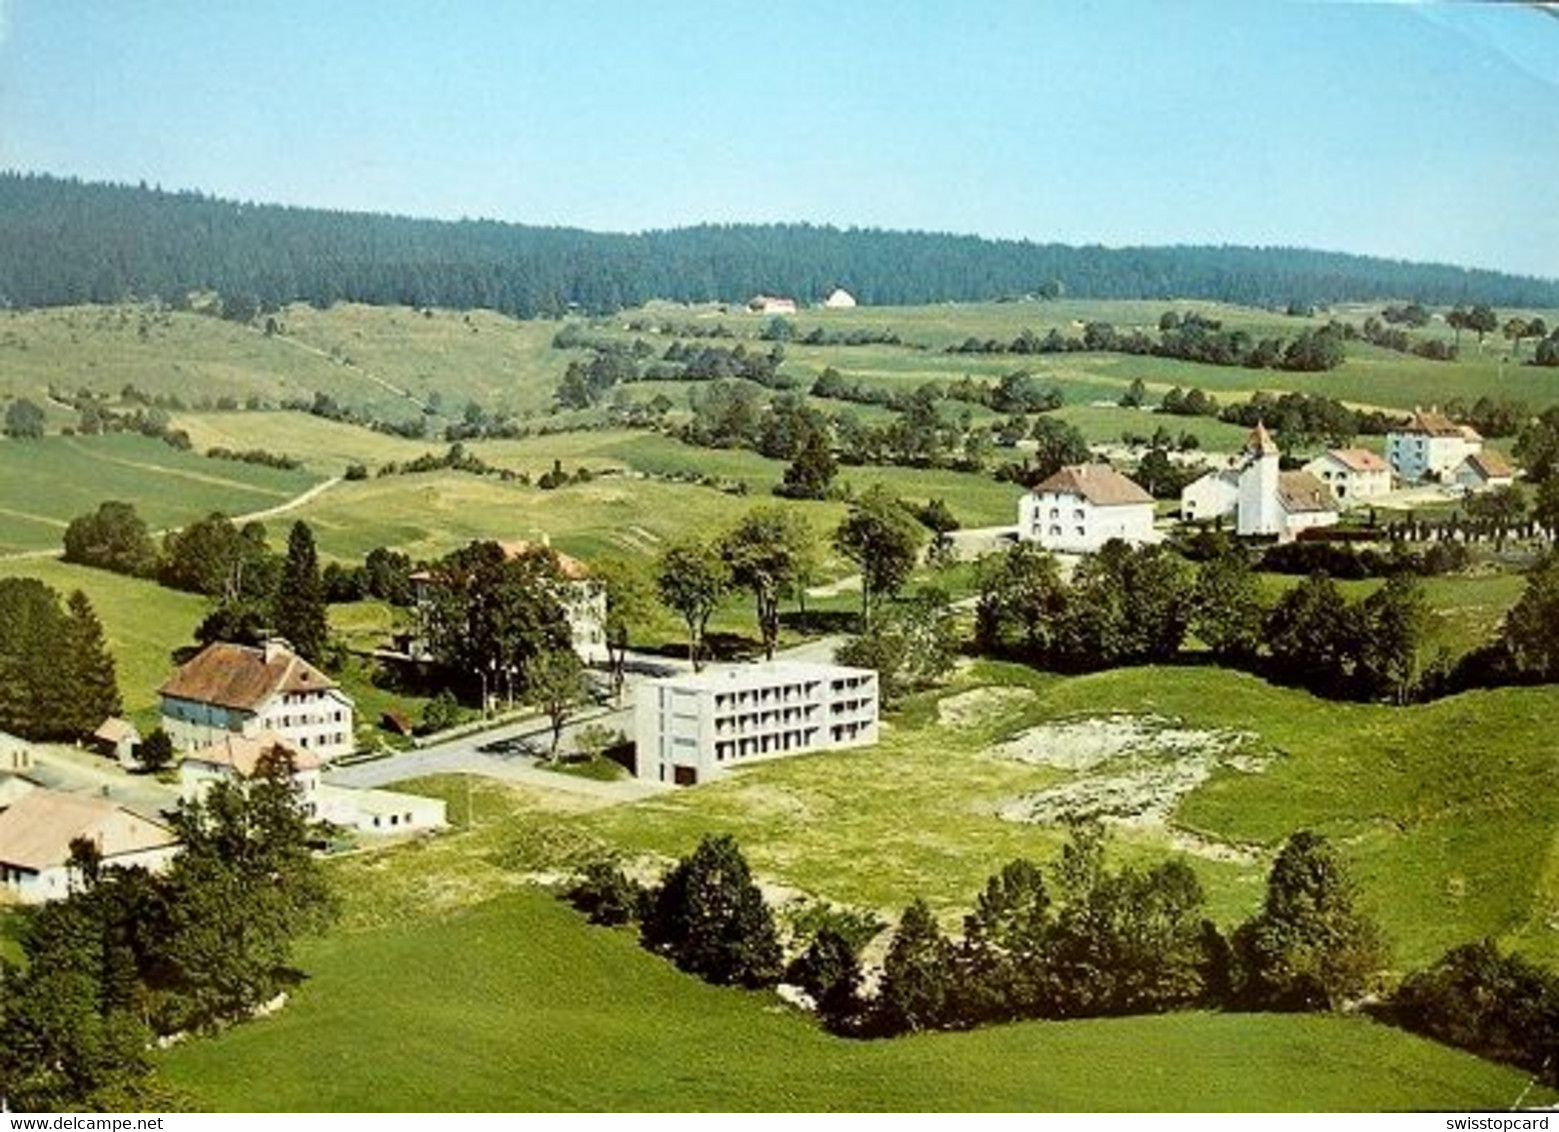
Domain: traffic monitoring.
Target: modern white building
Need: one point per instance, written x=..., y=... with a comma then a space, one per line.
x=1355, y=475
x=1262, y=499
x=1084, y=506
x=232, y=689
x=691, y=728
x=1430, y=447
x=37, y=829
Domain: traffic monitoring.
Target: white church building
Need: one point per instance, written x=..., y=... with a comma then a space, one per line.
x=1258, y=495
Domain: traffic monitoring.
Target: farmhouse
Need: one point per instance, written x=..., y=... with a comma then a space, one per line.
x=37, y=828
x=769, y=304
x=235, y=758
x=690, y=729
x=1430, y=446
x=1354, y=474
x=583, y=602
x=1484, y=471
x=1260, y=498
x=232, y=689
x=1084, y=506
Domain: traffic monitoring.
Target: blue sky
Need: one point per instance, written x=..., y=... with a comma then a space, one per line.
x=1424, y=131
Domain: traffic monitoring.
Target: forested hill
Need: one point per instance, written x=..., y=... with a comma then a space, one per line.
x=62, y=241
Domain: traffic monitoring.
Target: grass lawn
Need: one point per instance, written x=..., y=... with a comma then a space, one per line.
x=1448, y=812
x=517, y=1004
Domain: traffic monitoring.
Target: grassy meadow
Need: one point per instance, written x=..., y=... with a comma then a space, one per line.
x=516, y=1004
x=46, y=483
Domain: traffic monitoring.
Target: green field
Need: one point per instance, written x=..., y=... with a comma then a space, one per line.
x=46, y=483
x=516, y=1004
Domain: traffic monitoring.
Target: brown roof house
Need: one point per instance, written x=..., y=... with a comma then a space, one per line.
x=1430, y=446
x=1262, y=499
x=1355, y=475
x=1484, y=471
x=229, y=690
x=1084, y=506
x=36, y=831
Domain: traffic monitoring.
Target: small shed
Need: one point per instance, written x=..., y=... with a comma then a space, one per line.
x=117, y=738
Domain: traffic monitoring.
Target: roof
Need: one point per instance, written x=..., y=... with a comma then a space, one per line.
x=1100, y=484
x=1301, y=491
x=36, y=829
x=1490, y=466
x=239, y=676
x=1260, y=441
x=242, y=753
x=1358, y=459
x=1432, y=423
x=569, y=566
x=115, y=730
x=743, y=677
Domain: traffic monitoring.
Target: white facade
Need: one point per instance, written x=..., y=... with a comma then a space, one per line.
x=1353, y=475
x=1430, y=447
x=1084, y=506
x=839, y=299
x=380, y=811
x=690, y=729
x=1215, y=496
x=1259, y=510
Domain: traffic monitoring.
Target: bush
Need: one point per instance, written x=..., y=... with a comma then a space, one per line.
x=606, y=895
x=710, y=919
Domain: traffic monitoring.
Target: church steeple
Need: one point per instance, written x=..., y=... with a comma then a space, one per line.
x=1260, y=442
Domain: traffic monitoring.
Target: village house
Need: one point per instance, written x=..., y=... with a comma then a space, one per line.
x=236, y=758
x=1484, y=471
x=1258, y=496
x=37, y=829
x=230, y=689
x=1355, y=475
x=583, y=601
x=1430, y=447
x=692, y=728
x=1084, y=506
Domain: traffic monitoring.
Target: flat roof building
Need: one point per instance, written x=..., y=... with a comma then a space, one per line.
x=690, y=729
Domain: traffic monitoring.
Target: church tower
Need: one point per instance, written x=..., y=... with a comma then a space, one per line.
x=1260, y=510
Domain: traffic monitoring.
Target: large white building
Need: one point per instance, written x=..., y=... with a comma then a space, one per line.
x=1261, y=498
x=691, y=728
x=241, y=690
x=582, y=598
x=1084, y=506
x=1430, y=447
x=1355, y=475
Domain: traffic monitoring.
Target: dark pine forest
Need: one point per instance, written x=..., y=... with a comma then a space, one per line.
x=63, y=241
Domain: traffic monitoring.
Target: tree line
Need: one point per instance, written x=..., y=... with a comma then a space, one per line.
x=63, y=241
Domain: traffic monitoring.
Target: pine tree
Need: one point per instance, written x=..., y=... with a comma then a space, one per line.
x=89, y=685
x=298, y=612
x=917, y=980
x=711, y=919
